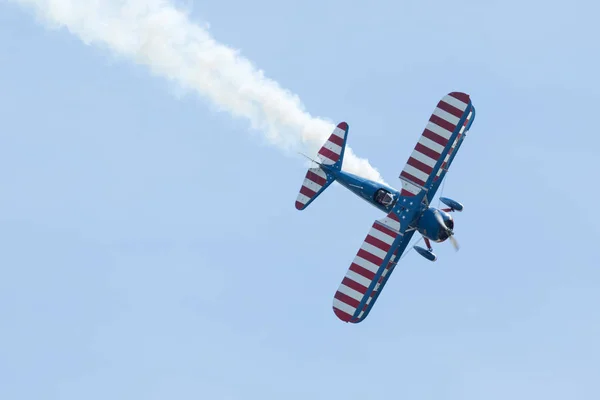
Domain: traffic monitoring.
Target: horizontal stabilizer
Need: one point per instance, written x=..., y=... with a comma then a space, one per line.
x=315, y=182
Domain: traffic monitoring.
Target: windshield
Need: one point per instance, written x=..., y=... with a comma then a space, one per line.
x=387, y=199
x=383, y=197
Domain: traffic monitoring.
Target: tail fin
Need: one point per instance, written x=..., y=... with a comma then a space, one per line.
x=332, y=152
x=330, y=155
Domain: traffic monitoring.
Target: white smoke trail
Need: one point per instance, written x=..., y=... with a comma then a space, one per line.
x=157, y=34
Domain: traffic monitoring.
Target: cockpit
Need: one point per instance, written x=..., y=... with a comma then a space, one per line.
x=384, y=197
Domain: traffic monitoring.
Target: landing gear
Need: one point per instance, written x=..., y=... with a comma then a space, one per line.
x=428, y=254
x=428, y=243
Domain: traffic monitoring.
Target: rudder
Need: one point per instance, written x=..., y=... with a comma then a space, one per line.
x=332, y=152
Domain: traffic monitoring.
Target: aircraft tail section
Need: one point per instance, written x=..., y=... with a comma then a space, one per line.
x=331, y=156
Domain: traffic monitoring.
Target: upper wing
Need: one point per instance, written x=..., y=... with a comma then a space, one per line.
x=438, y=144
x=370, y=269
x=451, y=154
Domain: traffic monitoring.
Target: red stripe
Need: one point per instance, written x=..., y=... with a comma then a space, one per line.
x=393, y=216
x=378, y=243
x=329, y=154
x=405, y=192
x=346, y=299
x=316, y=178
x=354, y=285
x=412, y=178
x=385, y=229
x=449, y=108
x=336, y=139
x=307, y=192
x=362, y=271
x=299, y=205
x=419, y=165
x=435, y=137
x=442, y=122
x=460, y=96
x=369, y=257
x=342, y=315
x=427, y=151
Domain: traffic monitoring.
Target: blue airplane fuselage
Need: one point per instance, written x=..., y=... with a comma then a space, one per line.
x=363, y=188
x=423, y=219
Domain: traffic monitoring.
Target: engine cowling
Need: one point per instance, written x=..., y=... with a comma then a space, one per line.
x=429, y=225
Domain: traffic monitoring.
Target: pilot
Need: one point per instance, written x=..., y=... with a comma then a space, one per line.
x=384, y=197
x=388, y=199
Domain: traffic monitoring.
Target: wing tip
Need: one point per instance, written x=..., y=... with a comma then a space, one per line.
x=343, y=126
x=299, y=206
x=464, y=97
x=344, y=317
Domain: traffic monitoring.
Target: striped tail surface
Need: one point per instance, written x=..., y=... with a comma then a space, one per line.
x=330, y=155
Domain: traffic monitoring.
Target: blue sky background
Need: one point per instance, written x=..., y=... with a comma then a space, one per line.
x=150, y=248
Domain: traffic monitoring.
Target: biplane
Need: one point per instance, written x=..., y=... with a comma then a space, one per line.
x=407, y=211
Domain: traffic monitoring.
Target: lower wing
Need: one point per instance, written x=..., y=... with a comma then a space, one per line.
x=370, y=270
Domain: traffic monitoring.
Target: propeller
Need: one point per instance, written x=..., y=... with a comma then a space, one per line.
x=449, y=231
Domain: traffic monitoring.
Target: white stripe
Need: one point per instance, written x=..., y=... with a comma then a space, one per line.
x=410, y=187
x=455, y=102
x=390, y=223
x=312, y=185
x=348, y=291
x=366, y=264
x=376, y=251
x=339, y=132
x=438, y=130
x=438, y=148
x=325, y=160
x=384, y=237
x=333, y=147
x=446, y=116
x=319, y=172
x=358, y=278
x=425, y=159
x=343, y=306
x=417, y=173
x=302, y=198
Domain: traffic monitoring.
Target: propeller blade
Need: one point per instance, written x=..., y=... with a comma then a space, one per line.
x=440, y=220
x=454, y=242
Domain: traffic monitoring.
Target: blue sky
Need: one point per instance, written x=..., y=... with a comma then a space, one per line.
x=150, y=248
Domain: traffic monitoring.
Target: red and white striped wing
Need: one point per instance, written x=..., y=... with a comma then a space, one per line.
x=357, y=289
x=436, y=137
x=453, y=148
